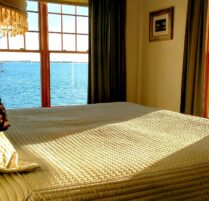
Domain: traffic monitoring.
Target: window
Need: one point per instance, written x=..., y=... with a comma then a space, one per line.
x=20, y=65
x=46, y=66
x=68, y=26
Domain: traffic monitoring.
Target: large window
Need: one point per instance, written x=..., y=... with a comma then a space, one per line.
x=46, y=66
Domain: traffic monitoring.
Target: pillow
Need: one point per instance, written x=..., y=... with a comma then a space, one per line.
x=9, y=158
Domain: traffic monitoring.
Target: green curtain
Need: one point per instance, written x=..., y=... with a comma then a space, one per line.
x=192, y=93
x=107, y=64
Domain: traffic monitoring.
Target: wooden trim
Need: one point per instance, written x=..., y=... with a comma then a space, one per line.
x=31, y=31
x=55, y=32
x=61, y=29
x=65, y=14
x=24, y=40
x=76, y=31
x=68, y=52
x=32, y=11
x=39, y=51
x=7, y=40
x=20, y=50
x=206, y=89
x=206, y=77
x=45, y=60
x=63, y=2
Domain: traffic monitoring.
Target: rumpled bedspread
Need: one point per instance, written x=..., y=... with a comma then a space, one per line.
x=114, y=151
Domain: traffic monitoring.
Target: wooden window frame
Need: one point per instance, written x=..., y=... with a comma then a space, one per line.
x=206, y=73
x=206, y=83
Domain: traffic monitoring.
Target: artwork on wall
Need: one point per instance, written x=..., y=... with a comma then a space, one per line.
x=161, y=24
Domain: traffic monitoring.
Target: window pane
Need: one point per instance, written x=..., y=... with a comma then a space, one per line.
x=20, y=80
x=32, y=41
x=55, y=41
x=54, y=8
x=67, y=9
x=82, y=10
x=69, y=42
x=32, y=6
x=68, y=80
x=82, y=43
x=3, y=42
x=16, y=42
x=69, y=24
x=82, y=25
x=54, y=23
x=33, y=24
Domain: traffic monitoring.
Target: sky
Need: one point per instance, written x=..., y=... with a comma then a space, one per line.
x=54, y=24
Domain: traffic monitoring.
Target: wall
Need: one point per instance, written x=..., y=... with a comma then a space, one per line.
x=132, y=47
x=159, y=64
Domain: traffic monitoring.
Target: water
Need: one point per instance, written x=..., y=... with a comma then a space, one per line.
x=20, y=84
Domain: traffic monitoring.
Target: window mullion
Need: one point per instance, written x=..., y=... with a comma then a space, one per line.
x=61, y=29
x=45, y=56
x=24, y=41
x=76, y=49
x=8, y=41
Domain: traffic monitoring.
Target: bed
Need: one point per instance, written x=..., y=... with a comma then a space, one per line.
x=111, y=151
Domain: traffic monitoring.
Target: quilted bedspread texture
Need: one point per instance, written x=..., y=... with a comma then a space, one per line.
x=114, y=151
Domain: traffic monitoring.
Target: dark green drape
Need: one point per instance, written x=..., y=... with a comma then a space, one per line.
x=194, y=58
x=107, y=65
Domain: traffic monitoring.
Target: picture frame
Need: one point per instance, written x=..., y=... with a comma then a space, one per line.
x=161, y=24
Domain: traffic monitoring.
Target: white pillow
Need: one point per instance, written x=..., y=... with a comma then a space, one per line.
x=9, y=158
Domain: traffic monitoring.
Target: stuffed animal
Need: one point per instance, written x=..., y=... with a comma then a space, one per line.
x=4, y=122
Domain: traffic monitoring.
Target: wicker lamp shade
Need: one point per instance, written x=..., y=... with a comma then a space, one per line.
x=13, y=17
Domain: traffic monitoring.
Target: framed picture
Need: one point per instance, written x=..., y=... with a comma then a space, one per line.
x=161, y=24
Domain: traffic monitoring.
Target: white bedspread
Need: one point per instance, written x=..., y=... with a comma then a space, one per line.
x=116, y=151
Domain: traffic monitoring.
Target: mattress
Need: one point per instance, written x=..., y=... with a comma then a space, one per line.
x=112, y=151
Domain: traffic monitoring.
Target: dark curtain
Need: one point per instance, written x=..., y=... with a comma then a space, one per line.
x=194, y=58
x=107, y=64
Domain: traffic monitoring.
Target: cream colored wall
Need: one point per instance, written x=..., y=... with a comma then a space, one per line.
x=161, y=66
x=132, y=38
x=154, y=75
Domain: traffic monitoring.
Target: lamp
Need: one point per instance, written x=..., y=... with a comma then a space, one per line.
x=13, y=17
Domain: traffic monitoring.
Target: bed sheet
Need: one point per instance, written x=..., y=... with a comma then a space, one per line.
x=112, y=151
